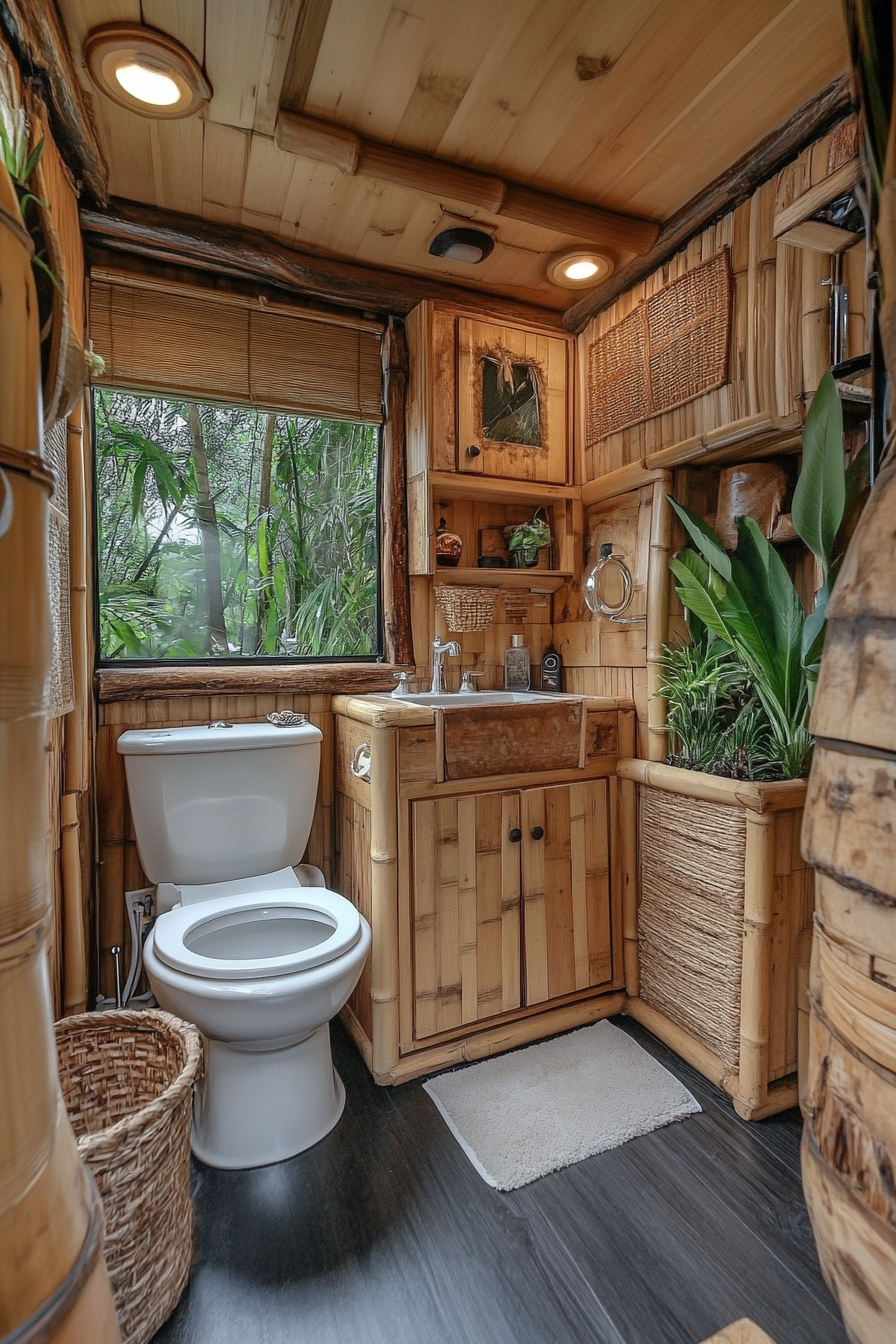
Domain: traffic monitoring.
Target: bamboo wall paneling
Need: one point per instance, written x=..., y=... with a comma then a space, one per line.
x=50, y=1219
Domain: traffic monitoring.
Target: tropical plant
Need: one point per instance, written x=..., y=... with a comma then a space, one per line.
x=527, y=539
x=713, y=717
x=20, y=163
x=748, y=600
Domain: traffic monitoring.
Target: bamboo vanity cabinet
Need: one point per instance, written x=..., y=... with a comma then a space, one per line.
x=494, y=901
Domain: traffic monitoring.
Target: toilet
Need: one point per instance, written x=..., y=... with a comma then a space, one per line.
x=249, y=945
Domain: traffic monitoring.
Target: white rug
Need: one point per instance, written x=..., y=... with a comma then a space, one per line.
x=536, y=1110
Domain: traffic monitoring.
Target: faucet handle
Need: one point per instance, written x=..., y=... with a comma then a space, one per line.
x=404, y=684
x=467, y=684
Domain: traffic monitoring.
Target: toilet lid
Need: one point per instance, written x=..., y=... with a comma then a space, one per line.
x=251, y=937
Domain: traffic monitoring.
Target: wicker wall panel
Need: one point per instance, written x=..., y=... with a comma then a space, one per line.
x=690, y=916
x=671, y=349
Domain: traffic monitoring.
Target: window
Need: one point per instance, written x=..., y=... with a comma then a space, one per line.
x=225, y=531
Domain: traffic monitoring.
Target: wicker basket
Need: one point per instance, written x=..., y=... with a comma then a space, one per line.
x=466, y=608
x=127, y=1080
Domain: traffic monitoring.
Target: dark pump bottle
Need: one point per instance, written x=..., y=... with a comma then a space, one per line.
x=551, y=671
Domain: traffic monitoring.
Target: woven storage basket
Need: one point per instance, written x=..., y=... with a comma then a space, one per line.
x=127, y=1081
x=466, y=608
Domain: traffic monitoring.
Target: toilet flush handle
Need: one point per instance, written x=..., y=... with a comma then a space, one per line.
x=360, y=764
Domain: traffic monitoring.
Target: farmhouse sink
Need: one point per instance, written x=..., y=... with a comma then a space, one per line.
x=442, y=699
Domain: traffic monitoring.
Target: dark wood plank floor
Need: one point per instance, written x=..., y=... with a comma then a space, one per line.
x=384, y=1234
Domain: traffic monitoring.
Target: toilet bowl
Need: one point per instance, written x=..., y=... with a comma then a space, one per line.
x=257, y=960
x=261, y=975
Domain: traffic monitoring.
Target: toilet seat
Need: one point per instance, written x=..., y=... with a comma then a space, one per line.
x=295, y=929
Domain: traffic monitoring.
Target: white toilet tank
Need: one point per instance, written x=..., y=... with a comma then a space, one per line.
x=221, y=802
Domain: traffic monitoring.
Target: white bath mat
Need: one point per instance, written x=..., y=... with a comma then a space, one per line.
x=536, y=1110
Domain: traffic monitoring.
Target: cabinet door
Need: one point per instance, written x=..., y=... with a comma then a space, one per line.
x=512, y=402
x=566, y=889
x=466, y=904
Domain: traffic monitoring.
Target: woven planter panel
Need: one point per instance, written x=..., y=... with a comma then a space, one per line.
x=691, y=914
x=127, y=1082
x=671, y=349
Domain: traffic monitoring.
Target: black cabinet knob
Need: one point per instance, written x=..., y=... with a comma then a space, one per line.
x=537, y=832
x=473, y=450
x=516, y=835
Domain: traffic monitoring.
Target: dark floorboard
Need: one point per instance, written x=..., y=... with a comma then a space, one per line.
x=384, y=1234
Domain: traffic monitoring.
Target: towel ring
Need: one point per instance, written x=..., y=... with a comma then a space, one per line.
x=591, y=588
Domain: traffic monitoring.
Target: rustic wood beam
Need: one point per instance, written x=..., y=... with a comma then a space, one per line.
x=441, y=179
x=394, y=568
x=166, y=681
x=36, y=34
x=729, y=190
x=309, y=33
x=248, y=254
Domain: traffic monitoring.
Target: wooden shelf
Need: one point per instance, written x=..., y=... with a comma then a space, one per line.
x=445, y=485
x=505, y=578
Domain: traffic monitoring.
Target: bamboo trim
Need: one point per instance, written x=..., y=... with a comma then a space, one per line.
x=658, y=587
x=620, y=482
x=782, y=796
x=627, y=821
x=74, y=975
x=384, y=978
x=498, y=1039
x=702, y=1059
x=77, y=723
x=759, y=886
x=27, y=463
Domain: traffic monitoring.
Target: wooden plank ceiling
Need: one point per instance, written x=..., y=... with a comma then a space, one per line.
x=687, y=86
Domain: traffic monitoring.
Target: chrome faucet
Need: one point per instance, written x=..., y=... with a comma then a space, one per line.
x=452, y=647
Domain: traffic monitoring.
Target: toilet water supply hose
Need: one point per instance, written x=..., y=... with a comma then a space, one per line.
x=140, y=907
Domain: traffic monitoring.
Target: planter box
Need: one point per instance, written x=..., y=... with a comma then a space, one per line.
x=719, y=908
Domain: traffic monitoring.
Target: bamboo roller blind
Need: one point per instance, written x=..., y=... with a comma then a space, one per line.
x=156, y=339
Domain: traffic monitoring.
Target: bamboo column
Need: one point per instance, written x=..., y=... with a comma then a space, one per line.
x=658, y=615
x=53, y=1281
x=384, y=978
x=628, y=836
x=759, y=886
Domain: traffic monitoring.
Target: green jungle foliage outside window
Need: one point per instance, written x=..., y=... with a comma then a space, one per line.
x=228, y=532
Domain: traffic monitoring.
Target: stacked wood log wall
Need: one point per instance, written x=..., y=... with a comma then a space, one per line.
x=779, y=347
x=849, y=1144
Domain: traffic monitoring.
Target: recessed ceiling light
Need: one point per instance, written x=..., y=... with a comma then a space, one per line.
x=148, y=86
x=469, y=245
x=577, y=270
x=146, y=71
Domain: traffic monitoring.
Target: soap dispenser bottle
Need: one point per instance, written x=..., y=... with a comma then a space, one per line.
x=516, y=665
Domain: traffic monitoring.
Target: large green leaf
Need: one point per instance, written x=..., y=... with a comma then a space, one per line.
x=696, y=592
x=704, y=538
x=820, y=494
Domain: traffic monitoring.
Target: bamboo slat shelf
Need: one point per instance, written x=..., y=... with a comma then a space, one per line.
x=533, y=579
x=452, y=485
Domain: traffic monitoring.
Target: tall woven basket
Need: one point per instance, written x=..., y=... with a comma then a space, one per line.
x=127, y=1080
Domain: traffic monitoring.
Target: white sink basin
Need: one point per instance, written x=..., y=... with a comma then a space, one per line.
x=440, y=698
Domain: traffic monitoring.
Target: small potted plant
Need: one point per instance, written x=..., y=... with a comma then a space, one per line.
x=525, y=540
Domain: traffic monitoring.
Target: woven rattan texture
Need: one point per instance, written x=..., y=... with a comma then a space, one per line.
x=127, y=1080
x=671, y=349
x=466, y=608
x=691, y=915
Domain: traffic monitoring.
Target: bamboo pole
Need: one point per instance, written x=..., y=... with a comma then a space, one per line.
x=759, y=886
x=74, y=956
x=54, y=1285
x=658, y=615
x=384, y=974
x=679, y=1040
x=628, y=844
x=77, y=723
x=782, y=796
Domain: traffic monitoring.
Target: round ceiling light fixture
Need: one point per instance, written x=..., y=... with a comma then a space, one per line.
x=146, y=71
x=579, y=269
x=470, y=245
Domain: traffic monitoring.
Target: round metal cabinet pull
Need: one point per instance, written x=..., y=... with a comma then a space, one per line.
x=360, y=766
x=515, y=835
x=537, y=832
x=473, y=450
